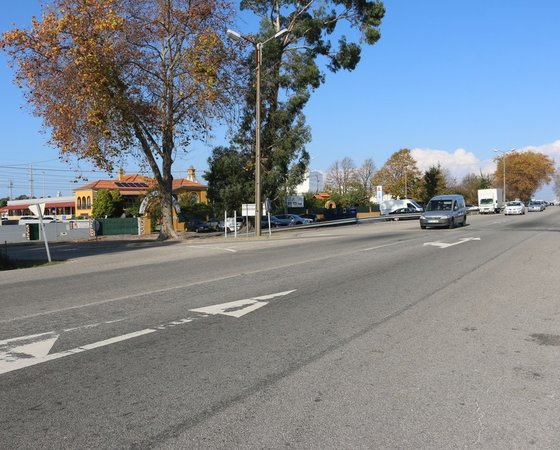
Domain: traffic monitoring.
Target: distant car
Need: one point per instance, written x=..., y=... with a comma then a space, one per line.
x=472, y=208
x=24, y=220
x=198, y=226
x=514, y=207
x=404, y=214
x=535, y=206
x=294, y=219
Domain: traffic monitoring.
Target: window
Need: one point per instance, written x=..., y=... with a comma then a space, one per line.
x=79, y=203
x=89, y=202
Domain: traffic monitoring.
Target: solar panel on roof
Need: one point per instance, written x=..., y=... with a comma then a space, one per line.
x=119, y=184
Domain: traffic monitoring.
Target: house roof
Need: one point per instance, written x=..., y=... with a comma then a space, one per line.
x=136, y=184
x=48, y=204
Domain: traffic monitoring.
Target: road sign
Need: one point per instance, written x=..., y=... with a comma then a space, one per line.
x=37, y=209
x=248, y=210
x=294, y=201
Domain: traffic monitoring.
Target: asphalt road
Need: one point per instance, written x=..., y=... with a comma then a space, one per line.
x=377, y=335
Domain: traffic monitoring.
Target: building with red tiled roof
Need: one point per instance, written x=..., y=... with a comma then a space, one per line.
x=133, y=186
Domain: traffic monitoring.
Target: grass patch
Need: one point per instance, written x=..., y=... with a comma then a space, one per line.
x=12, y=264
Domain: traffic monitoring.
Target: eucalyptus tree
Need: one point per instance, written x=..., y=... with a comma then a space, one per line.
x=320, y=36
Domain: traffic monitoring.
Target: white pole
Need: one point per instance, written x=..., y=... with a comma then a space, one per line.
x=225, y=223
x=44, y=233
x=235, y=223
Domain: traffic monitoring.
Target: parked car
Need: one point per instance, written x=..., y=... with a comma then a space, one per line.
x=275, y=222
x=514, y=207
x=214, y=223
x=23, y=220
x=230, y=227
x=404, y=214
x=444, y=211
x=313, y=217
x=294, y=219
x=198, y=226
x=535, y=206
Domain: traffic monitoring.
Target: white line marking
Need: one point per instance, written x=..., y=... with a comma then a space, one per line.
x=271, y=296
x=380, y=246
x=8, y=366
x=92, y=325
x=231, y=250
x=34, y=349
x=445, y=244
x=233, y=309
x=239, y=308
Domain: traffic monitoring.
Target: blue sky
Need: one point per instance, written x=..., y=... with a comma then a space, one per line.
x=451, y=80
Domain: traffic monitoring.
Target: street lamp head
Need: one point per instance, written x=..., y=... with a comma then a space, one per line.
x=282, y=32
x=234, y=35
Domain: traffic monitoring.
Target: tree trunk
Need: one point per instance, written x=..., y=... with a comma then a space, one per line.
x=166, y=201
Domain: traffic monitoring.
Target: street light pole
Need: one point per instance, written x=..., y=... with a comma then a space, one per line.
x=504, y=167
x=258, y=54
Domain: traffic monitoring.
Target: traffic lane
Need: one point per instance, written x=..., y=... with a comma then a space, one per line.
x=117, y=293
x=98, y=278
x=474, y=366
x=186, y=373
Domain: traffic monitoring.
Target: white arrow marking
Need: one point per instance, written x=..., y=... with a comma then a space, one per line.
x=26, y=351
x=7, y=365
x=445, y=244
x=27, y=347
x=239, y=308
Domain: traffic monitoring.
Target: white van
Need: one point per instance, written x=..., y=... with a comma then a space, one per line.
x=388, y=206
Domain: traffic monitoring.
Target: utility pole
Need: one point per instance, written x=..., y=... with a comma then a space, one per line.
x=11, y=189
x=31, y=181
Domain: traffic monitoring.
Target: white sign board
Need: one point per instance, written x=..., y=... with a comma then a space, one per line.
x=379, y=194
x=294, y=201
x=248, y=210
x=34, y=208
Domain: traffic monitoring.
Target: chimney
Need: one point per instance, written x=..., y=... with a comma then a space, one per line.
x=191, y=176
x=121, y=173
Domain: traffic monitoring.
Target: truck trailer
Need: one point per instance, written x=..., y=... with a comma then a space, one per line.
x=490, y=201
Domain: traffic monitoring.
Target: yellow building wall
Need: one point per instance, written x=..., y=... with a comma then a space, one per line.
x=83, y=202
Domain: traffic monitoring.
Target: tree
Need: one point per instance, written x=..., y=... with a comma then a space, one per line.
x=433, y=183
x=230, y=179
x=471, y=183
x=115, y=78
x=526, y=172
x=107, y=204
x=399, y=176
x=340, y=176
x=290, y=73
x=557, y=184
x=3, y=201
x=364, y=177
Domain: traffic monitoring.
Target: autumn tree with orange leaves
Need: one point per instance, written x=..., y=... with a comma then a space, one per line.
x=113, y=78
x=526, y=172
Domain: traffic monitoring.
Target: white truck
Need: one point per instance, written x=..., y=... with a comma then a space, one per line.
x=490, y=201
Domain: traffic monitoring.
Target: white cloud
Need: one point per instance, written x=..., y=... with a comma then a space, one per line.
x=459, y=163
x=462, y=162
x=552, y=150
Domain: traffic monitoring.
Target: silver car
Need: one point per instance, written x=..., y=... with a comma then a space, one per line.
x=535, y=206
x=514, y=207
x=444, y=211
